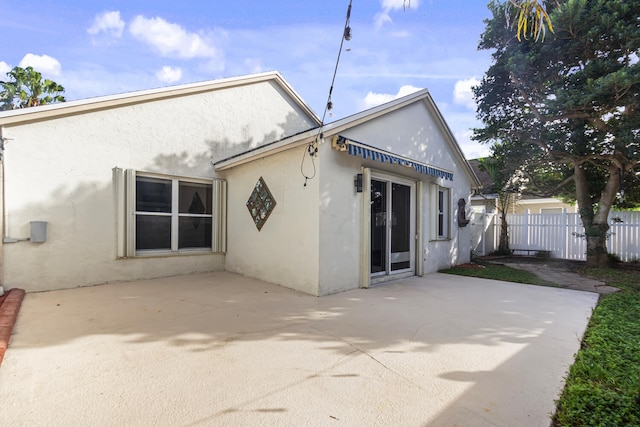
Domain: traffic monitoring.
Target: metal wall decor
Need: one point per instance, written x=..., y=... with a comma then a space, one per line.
x=261, y=203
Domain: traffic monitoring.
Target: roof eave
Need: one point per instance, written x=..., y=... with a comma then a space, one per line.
x=325, y=131
x=51, y=111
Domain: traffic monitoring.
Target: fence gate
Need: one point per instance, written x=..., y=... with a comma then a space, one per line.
x=482, y=230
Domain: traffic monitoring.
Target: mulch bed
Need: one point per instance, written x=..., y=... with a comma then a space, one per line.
x=10, y=304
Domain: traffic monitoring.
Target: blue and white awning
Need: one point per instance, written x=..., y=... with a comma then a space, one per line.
x=371, y=153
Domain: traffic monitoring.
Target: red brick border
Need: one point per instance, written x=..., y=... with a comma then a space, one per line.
x=8, y=314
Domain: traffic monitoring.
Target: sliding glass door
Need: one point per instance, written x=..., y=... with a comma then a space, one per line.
x=392, y=226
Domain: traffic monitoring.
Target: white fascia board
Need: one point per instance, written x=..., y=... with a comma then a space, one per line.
x=49, y=111
x=268, y=150
x=324, y=132
x=540, y=200
x=453, y=143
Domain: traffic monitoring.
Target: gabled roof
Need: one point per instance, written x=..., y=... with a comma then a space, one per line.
x=338, y=126
x=50, y=111
x=485, y=179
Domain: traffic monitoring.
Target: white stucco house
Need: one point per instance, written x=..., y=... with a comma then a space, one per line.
x=211, y=176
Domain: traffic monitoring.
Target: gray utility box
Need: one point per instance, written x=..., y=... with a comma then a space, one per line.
x=38, y=231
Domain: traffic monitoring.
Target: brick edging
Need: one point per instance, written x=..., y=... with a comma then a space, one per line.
x=8, y=315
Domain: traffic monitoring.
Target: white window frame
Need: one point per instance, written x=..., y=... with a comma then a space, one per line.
x=125, y=191
x=551, y=211
x=441, y=211
x=390, y=179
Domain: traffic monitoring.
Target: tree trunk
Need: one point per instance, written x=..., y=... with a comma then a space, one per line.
x=597, y=255
x=503, y=245
x=596, y=221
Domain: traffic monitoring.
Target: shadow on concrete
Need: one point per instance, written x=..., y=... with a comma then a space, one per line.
x=437, y=350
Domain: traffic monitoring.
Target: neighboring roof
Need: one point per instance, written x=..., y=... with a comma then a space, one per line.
x=49, y=111
x=485, y=179
x=338, y=126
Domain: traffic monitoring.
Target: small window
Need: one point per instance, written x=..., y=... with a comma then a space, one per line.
x=551, y=210
x=441, y=210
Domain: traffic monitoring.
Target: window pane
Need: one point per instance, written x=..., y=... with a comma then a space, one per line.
x=153, y=194
x=194, y=232
x=194, y=198
x=153, y=232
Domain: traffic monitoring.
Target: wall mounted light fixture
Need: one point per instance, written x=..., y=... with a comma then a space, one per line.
x=357, y=182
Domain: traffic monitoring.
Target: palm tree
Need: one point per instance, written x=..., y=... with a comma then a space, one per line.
x=26, y=88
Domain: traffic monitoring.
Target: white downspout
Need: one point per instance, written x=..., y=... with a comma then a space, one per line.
x=2, y=210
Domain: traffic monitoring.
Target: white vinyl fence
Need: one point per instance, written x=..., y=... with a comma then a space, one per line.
x=559, y=233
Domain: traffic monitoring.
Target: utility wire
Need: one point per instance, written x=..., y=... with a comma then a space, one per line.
x=312, y=148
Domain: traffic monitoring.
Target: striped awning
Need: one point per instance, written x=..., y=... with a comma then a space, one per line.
x=371, y=153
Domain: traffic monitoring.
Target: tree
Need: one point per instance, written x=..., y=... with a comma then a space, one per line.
x=568, y=109
x=27, y=89
x=530, y=16
x=506, y=185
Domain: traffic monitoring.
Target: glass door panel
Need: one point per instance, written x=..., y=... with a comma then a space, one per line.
x=400, y=226
x=391, y=227
x=378, y=226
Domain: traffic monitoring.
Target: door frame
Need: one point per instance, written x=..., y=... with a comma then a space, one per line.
x=388, y=274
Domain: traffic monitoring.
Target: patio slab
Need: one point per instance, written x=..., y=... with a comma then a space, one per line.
x=222, y=349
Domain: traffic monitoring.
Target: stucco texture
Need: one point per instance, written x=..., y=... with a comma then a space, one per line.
x=59, y=170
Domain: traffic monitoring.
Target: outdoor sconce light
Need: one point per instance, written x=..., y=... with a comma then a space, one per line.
x=357, y=182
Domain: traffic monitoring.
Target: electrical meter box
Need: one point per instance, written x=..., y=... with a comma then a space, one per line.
x=38, y=231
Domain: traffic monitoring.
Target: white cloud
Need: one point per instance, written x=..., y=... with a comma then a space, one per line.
x=171, y=39
x=44, y=64
x=471, y=149
x=253, y=65
x=390, y=5
x=169, y=74
x=463, y=94
x=108, y=22
x=373, y=99
x=382, y=18
x=4, y=68
x=399, y=4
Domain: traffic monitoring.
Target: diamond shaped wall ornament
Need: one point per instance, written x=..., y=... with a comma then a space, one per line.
x=261, y=203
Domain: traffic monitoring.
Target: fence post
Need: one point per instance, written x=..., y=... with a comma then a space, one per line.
x=525, y=227
x=484, y=230
x=565, y=230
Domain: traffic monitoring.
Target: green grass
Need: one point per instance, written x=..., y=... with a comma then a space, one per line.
x=499, y=272
x=603, y=384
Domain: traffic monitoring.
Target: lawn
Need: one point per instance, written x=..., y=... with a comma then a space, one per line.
x=603, y=386
x=499, y=272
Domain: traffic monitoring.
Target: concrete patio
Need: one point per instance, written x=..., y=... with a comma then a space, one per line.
x=221, y=349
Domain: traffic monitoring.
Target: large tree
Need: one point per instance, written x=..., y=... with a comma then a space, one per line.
x=26, y=88
x=568, y=108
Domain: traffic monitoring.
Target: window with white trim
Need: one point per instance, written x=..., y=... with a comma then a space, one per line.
x=551, y=210
x=166, y=214
x=441, y=202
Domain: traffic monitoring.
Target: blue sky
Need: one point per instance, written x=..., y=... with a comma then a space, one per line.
x=96, y=48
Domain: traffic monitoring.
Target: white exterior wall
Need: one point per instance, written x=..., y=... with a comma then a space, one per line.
x=340, y=222
x=60, y=171
x=411, y=132
x=285, y=251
